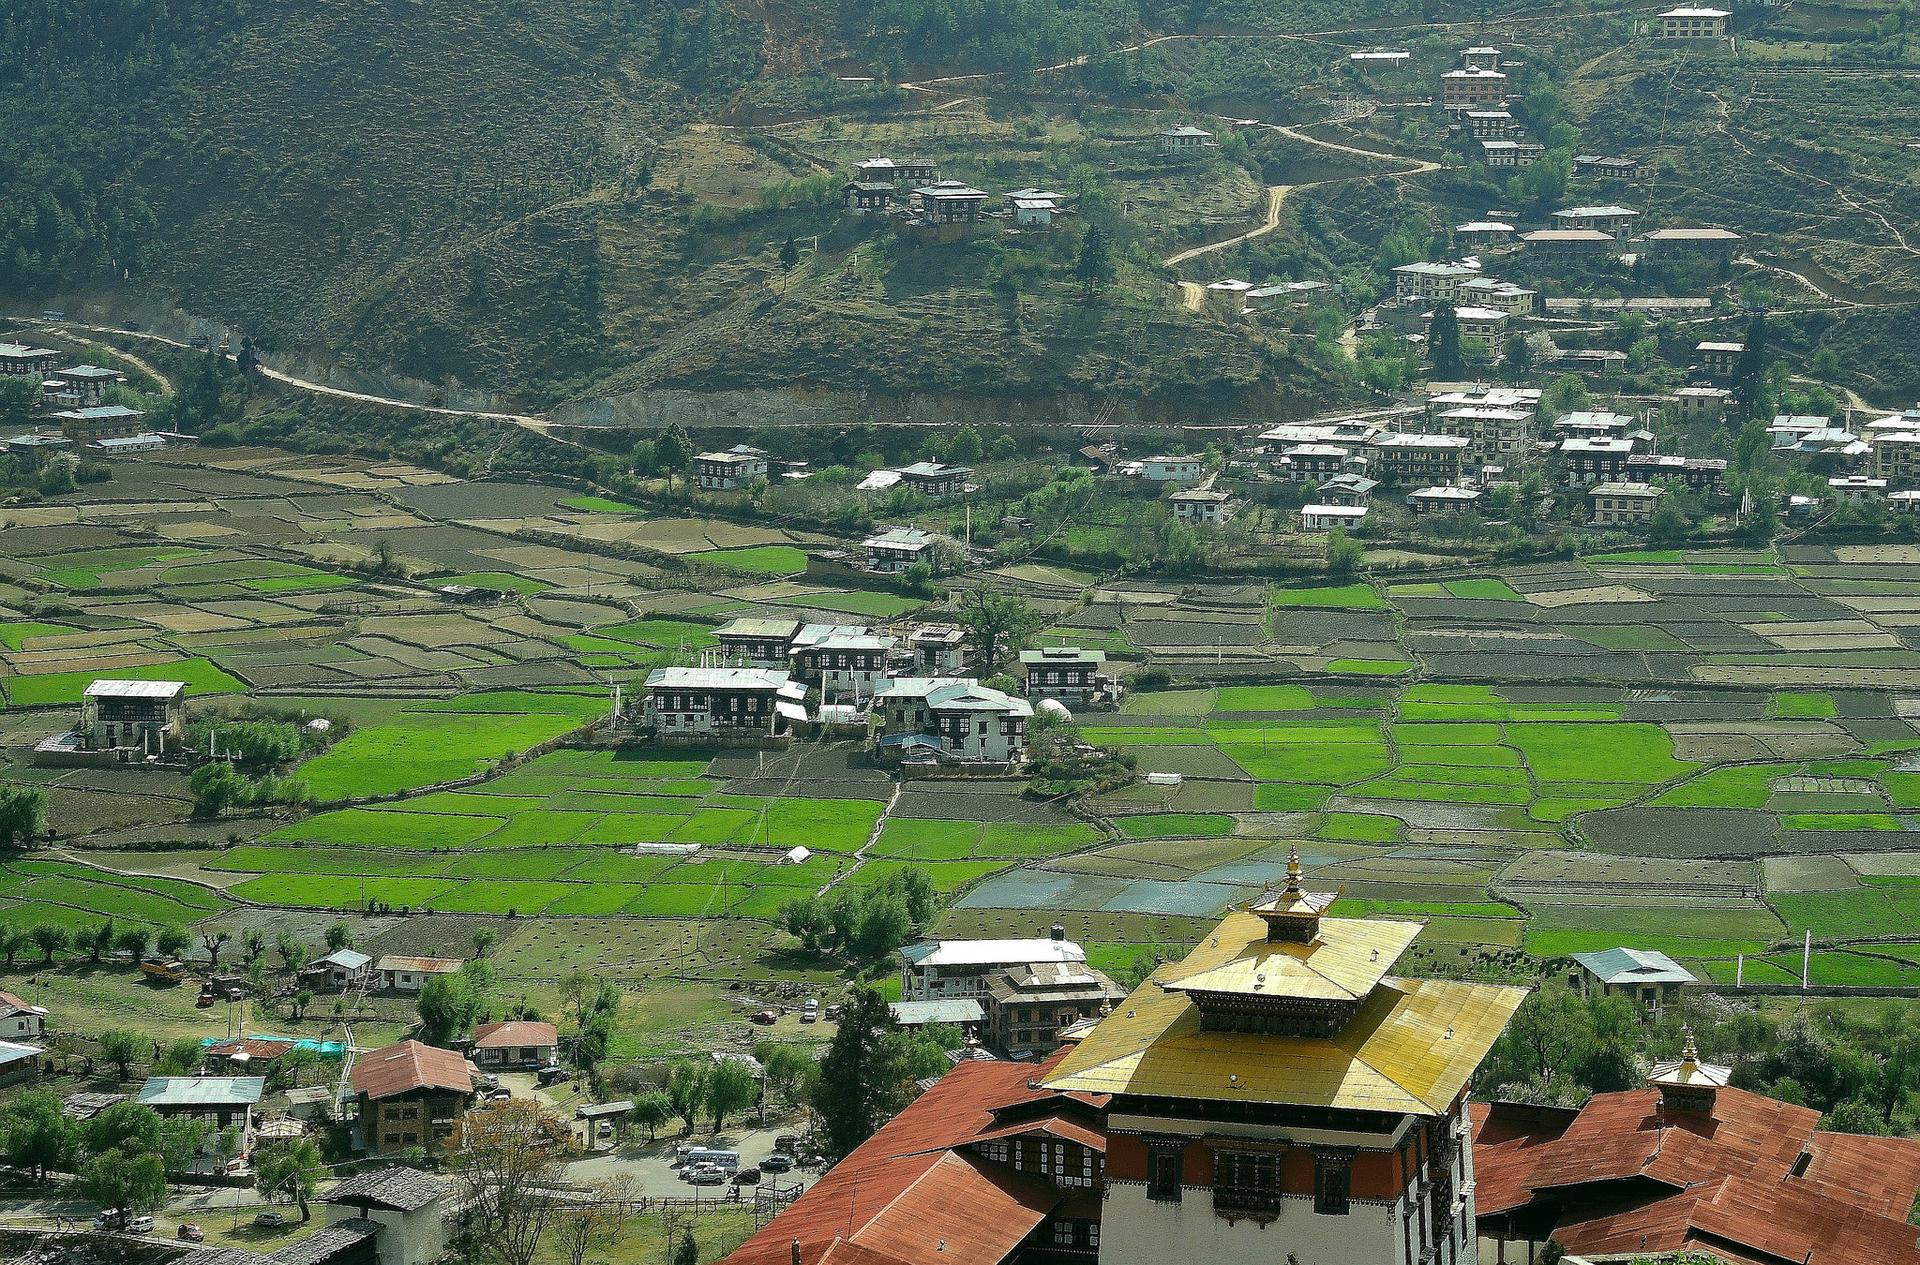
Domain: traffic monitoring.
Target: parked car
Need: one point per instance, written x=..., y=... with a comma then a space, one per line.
x=767, y=1017
x=787, y=1144
x=188, y=1232
x=270, y=1220
x=706, y=1175
x=553, y=1074
x=747, y=1177
x=777, y=1163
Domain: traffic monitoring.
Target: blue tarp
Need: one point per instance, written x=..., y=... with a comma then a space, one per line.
x=325, y=1049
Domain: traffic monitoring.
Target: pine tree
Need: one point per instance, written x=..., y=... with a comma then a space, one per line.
x=1095, y=265
x=1443, y=343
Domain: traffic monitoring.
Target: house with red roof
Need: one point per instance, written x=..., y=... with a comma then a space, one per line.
x=411, y=1095
x=981, y=1168
x=1690, y=1163
x=515, y=1043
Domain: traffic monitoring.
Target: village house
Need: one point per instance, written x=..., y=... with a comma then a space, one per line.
x=1490, y=125
x=724, y=471
x=1601, y=167
x=897, y=548
x=1896, y=455
x=407, y=1207
x=1314, y=461
x=950, y=718
x=1481, y=330
x=1594, y=360
x=1714, y=242
x=101, y=421
x=1501, y=155
x=1697, y=402
x=1623, y=504
x=1490, y=432
x=938, y=649
x=937, y=970
x=337, y=972
x=1589, y=459
x=219, y=1102
x=1200, y=507
x=1472, y=88
x=397, y=973
x=1500, y=296
x=1690, y=1166
x=935, y=480
x=1483, y=235
x=912, y=171
x=1442, y=500
x=1694, y=24
x=1034, y=212
x=1418, y=459
x=515, y=1045
x=1646, y=977
x=867, y=197
x=751, y=641
x=36, y=449
x=242, y=1055
x=1857, y=488
x=1594, y=423
x=20, y=360
x=1440, y=282
x=1185, y=139
x=128, y=445
x=1290, y=294
x=1614, y=221
x=840, y=660
x=21, y=1021
x=1525, y=399
x=1028, y=1006
x=1228, y=294
x=951, y=202
x=1324, y=518
x=1718, y=359
x=19, y=1062
x=411, y=1095
x=1567, y=243
x=86, y=385
x=1342, y=431
x=1178, y=470
x=1283, y=1080
x=1347, y=489
x=696, y=703
x=1698, y=474
x=1070, y=674
x=133, y=718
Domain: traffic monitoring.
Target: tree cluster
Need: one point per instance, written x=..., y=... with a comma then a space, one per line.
x=862, y=923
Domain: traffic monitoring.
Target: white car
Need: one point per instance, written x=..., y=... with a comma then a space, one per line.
x=706, y=1175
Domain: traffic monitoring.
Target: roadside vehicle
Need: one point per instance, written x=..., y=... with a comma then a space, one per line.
x=747, y=1177
x=706, y=1175
x=188, y=1232
x=270, y=1220
x=777, y=1163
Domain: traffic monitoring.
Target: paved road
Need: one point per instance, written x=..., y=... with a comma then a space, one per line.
x=650, y=1169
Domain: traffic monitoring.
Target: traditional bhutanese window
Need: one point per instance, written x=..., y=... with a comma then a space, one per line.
x=1332, y=1184
x=1165, y=1175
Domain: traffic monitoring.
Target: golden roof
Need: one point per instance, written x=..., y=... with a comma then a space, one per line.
x=1411, y=1045
x=1690, y=1071
x=1342, y=963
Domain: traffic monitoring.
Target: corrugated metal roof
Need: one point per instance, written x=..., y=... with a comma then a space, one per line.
x=202, y=1091
x=135, y=689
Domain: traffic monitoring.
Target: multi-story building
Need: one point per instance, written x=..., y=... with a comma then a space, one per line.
x=1694, y=24
x=1567, y=243
x=1504, y=154
x=951, y=718
x=136, y=717
x=1321, y=517
x=938, y=649
x=1481, y=330
x=1314, y=461
x=701, y=703
x=1700, y=474
x=1028, y=1006
x=1619, y=504
x=951, y=202
x=934, y=970
x=897, y=171
x=1176, y=470
x=1591, y=459
x=755, y=642
x=83, y=386
x=1347, y=489
x=840, y=660
x=1442, y=500
x=897, y=548
x=20, y=360
x=101, y=421
x=935, y=480
x=1601, y=167
x=1718, y=358
x=1614, y=221
x=1278, y=1093
x=1186, y=139
x=1067, y=673
x=1490, y=125
x=1491, y=433
x=401, y=1209
x=1896, y=455
x=219, y=1102
x=1646, y=977
x=1501, y=296
x=1200, y=507
x=1418, y=459
x=1472, y=88
x=411, y=1095
x=1717, y=242
x=1858, y=488
x=723, y=471
x=1701, y=402
x=1593, y=423
x=1428, y=280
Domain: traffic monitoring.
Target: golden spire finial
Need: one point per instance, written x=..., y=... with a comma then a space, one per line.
x=1690, y=1053
x=1293, y=870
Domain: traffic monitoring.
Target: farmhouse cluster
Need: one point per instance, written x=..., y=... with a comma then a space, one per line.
x=69, y=409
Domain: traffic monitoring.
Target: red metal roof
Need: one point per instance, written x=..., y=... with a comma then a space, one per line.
x=905, y=1190
x=255, y=1048
x=407, y=1066
x=514, y=1032
x=1054, y=1127
x=1624, y=1177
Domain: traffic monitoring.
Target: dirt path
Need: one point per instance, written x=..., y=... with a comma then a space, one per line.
x=1276, y=194
x=873, y=837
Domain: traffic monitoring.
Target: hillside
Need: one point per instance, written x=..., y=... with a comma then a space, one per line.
x=582, y=204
